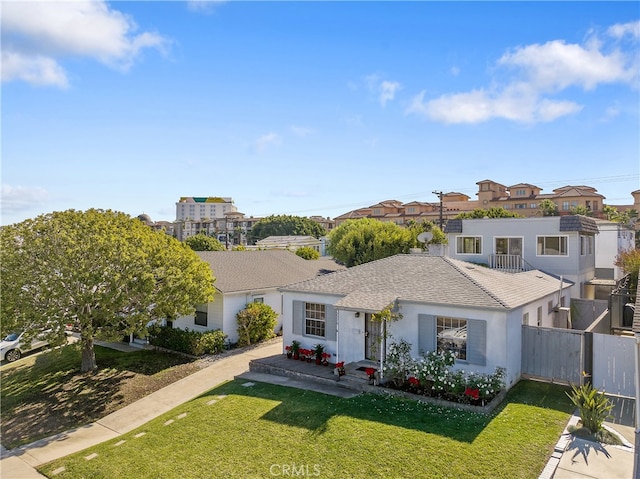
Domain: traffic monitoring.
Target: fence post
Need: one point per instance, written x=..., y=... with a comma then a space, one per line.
x=587, y=357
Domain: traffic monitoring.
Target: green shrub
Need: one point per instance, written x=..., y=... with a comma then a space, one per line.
x=187, y=341
x=256, y=322
x=307, y=252
x=212, y=342
x=593, y=406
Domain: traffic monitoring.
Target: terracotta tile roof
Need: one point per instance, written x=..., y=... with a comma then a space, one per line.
x=430, y=279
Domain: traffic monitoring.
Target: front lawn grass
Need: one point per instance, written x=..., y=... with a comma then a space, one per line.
x=268, y=431
x=45, y=394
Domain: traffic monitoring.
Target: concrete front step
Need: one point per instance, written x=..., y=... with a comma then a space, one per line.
x=347, y=381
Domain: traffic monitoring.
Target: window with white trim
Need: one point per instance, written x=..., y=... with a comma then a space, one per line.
x=509, y=245
x=452, y=336
x=314, y=319
x=552, y=246
x=469, y=244
x=539, y=316
x=525, y=319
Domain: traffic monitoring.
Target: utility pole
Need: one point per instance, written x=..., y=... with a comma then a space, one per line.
x=439, y=193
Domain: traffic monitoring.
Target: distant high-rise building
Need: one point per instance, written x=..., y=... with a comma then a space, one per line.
x=198, y=208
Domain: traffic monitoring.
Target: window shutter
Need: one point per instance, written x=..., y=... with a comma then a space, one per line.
x=331, y=322
x=298, y=317
x=426, y=333
x=477, y=342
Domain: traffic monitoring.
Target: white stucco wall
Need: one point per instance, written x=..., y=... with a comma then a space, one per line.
x=221, y=313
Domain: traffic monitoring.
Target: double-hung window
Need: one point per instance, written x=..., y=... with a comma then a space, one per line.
x=315, y=319
x=552, y=246
x=469, y=245
x=452, y=336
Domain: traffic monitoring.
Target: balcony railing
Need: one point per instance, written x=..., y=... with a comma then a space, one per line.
x=509, y=263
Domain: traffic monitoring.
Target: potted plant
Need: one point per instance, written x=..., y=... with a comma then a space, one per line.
x=318, y=350
x=295, y=349
x=325, y=359
x=288, y=351
x=303, y=354
x=371, y=373
x=339, y=369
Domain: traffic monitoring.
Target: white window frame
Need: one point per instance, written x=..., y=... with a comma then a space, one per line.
x=315, y=320
x=508, y=238
x=460, y=241
x=543, y=252
x=445, y=323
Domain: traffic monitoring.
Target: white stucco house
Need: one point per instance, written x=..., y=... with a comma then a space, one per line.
x=563, y=246
x=244, y=277
x=444, y=303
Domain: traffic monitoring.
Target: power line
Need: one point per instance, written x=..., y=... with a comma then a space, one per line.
x=365, y=204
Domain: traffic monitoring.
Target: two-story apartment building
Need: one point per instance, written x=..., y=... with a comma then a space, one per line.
x=522, y=198
x=558, y=245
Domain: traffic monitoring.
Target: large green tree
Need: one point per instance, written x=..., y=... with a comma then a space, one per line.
x=359, y=241
x=285, y=225
x=202, y=242
x=104, y=271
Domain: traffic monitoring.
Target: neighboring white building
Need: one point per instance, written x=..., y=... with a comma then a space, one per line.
x=558, y=245
x=203, y=208
x=291, y=243
x=244, y=277
x=444, y=303
x=614, y=238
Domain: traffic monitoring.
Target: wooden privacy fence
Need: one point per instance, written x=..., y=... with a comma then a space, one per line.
x=556, y=355
x=563, y=355
x=614, y=364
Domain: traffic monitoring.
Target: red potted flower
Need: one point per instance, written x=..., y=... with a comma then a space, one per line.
x=371, y=373
x=340, y=368
x=325, y=359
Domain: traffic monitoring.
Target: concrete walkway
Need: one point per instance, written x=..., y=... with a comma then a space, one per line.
x=20, y=463
x=576, y=458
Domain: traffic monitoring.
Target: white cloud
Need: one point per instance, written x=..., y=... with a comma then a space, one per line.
x=539, y=71
x=39, y=34
x=16, y=199
x=556, y=65
x=300, y=130
x=265, y=141
x=478, y=106
x=388, y=91
x=621, y=30
x=37, y=70
x=385, y=90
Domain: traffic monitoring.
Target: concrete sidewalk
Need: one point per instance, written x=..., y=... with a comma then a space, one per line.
x=20, y=463
x=576, y=458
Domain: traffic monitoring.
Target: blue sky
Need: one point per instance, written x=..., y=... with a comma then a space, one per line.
x=312, y=108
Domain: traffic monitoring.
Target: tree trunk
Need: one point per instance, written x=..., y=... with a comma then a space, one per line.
x=88, y=355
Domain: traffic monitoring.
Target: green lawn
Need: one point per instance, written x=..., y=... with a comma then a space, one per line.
x=273, y=431
x=44, y=394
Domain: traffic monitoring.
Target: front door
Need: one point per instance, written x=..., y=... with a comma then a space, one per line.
x=372, y=343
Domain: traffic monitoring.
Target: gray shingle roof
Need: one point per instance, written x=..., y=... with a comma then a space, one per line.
x=583, y=224
x=251, y=270
x=430, y=279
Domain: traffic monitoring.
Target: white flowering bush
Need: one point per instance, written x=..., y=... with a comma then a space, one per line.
x=432, y=375
x=399, y=363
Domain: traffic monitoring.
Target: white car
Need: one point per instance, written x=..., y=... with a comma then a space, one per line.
x=12, y=348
